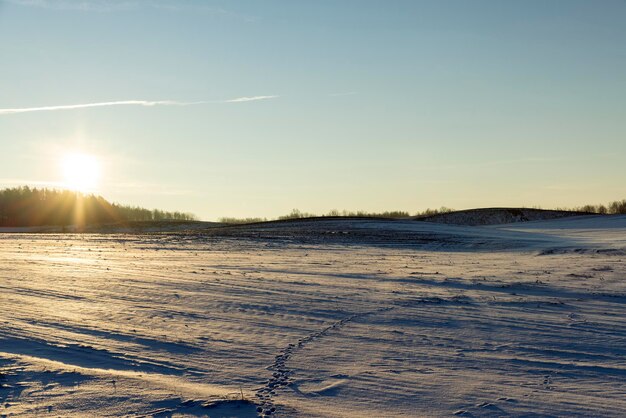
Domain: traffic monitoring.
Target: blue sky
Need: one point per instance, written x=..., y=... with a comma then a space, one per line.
x=374, y=105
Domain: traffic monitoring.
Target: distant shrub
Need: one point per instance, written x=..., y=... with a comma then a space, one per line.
x=296, y=214
x=618, y=207
x=235, y=221
x=362, y=213
x=432, y=212
x=392, y=214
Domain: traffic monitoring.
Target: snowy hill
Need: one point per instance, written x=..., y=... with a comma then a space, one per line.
x=494, y=216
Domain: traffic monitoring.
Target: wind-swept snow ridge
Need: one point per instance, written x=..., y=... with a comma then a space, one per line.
x=511, y=320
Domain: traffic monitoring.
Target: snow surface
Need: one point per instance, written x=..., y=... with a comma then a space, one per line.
x=327, y=318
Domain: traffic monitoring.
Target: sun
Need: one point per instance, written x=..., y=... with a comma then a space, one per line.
x=81, y=172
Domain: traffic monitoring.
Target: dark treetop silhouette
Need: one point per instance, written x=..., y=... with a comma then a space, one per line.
x=25, y=206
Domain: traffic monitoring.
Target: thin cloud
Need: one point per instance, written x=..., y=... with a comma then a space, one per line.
x=249, y=99
x=88, y=105
x=146, y=103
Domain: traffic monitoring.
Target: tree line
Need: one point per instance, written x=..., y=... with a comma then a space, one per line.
x=613, y=208
x=25, y=206
x=617, y=207
x=298, y=214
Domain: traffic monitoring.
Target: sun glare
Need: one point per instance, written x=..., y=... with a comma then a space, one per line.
x=81, y=172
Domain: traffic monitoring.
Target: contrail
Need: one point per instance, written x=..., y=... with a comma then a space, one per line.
x=130, y=103
x=249, y=99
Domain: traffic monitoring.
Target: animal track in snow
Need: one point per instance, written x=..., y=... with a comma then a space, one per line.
x=281, y=375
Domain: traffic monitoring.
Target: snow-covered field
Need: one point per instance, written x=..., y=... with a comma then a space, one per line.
x=327, y=318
